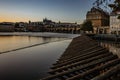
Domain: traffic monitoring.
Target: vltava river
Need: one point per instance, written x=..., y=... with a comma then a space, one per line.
x=29, y=63
x=112, y=47
x=14, y=42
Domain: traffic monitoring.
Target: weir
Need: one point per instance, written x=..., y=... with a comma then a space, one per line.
x=85, y=59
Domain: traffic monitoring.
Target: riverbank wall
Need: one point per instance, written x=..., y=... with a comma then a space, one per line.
x=85, y=59
x=105, y=37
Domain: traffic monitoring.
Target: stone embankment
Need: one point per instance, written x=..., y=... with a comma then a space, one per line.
x=85, y=59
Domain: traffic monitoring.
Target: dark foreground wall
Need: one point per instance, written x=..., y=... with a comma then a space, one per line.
x=84, y=59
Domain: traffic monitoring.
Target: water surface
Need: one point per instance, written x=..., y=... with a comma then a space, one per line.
x=30, y=63
x=112, y=47
x=14, y=42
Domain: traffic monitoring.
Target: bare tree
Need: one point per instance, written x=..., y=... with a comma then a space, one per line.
x=103, y=4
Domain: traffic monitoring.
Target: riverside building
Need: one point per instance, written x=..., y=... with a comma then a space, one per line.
x=115, y=23
x=99, y=19
x=6, y=27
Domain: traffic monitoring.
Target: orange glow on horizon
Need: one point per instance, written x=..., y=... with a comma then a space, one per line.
x=15, y=18
x=11, y=19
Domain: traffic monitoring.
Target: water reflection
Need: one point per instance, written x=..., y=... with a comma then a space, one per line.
x=112, y=47
x=31, y=63
x=14, y=42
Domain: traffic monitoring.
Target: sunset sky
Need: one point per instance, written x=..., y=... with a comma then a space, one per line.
x=36, y=10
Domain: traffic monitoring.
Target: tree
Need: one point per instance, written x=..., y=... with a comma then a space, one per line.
x=87, y=26
x=16, y=25
x=103, y=4
x=97, y=3
x=115, y=6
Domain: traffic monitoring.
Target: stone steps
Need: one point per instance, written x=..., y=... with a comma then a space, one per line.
x=84, y=59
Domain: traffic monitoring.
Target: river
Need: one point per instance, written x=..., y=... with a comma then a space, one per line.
x=112, y=47
x=21, y=61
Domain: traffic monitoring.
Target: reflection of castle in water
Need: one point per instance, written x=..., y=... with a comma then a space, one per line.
x=112, y=47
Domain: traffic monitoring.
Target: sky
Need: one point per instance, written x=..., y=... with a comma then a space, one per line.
x=36, y=10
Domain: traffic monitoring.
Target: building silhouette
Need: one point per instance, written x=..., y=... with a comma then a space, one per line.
x=99, y=19
x=6, y=27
